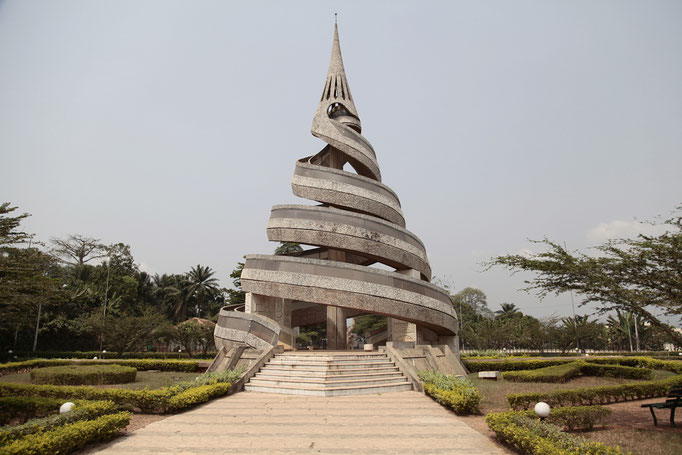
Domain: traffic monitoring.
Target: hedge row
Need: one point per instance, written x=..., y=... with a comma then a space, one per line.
x=596, y=395
x=69, y=437
x=516, y=365
x=189, y=366
x=513, y=365
x=533, y=437
x=575, y=417
x=556, y=373
x=456, y=393
x=494, y=354
x=25, y=408
x=82, y=410
x=564, y=373
x=83, y=375
x=166, y=399
x=108, y=355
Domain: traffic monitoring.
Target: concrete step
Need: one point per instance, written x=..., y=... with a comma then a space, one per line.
x=328, y=372
x=328, y=365
x=332, y=391
x=330, y=358
x=306, y=383
x=285, y=374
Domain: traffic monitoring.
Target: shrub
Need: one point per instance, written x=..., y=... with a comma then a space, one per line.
x=575, y=417
x=83, y=410
x=188, y=366
x=197, y=395
x=513, y=365
x=24, y=408
x=556, y=373
x=83, y=374
x=456, y=393
x=109, y=355
x=566, y=372
x=532, y=437
x=69, y=437
x=596, y=395
x=145, y=400
x=156, y=400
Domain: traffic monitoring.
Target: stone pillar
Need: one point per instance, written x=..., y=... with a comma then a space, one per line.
x=336, y=317
x=452, y=342
x=274, y=308
x=336, y=328
x=401, y=331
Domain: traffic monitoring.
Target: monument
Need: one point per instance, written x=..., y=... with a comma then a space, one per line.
x=357, y=224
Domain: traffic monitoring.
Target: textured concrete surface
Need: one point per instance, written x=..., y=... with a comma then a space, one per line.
x=255, y=423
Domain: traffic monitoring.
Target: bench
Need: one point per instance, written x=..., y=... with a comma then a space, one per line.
x=674, y=401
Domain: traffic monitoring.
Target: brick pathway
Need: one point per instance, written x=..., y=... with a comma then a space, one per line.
x=261, y=423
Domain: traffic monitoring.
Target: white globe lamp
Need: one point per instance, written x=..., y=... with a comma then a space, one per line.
x=66, y=407
x=542, y=410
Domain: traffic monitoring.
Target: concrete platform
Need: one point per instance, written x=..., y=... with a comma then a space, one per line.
x=258, y=423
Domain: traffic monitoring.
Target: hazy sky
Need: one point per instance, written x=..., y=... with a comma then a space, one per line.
x=174, y=126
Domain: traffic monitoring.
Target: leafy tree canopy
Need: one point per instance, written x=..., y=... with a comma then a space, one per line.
x=636, y=275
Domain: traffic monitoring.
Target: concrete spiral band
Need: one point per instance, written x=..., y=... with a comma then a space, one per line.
x=359, y=223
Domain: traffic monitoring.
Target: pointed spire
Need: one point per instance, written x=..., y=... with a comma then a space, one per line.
x=336, y=90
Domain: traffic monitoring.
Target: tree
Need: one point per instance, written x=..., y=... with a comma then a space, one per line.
x=636, y=275
x=29, y=278
x=202, y=287
x=127, y=333
x=508, y=310
x=288, y=249
x=368, y=323
x=9, y=226
x=194, y=333
x=77, y=250
x=236, y=296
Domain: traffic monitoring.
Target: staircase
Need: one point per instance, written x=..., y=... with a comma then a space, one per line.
x=326, y=373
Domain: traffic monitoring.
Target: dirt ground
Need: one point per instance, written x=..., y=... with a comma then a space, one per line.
x=138, y=421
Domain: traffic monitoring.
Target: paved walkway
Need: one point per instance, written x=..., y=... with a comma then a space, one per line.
x=261, y=423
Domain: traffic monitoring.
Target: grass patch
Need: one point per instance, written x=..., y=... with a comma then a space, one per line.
x=494, y=393
x=639, y=441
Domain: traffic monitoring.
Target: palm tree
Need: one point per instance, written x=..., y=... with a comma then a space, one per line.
x=508, y=310
x=201, y=287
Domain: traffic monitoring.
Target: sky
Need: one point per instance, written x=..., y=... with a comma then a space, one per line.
x=174, y=126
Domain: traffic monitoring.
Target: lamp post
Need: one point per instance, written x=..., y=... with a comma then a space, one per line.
x=542, y=410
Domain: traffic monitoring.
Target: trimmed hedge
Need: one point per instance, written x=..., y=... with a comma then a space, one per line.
x=197, y=395
x=25, y=355
x=147, y=401
x=596, y=395
x=556, y=373
x=533, y=437
x=475, y=366
x=83, y=410
x=513, y=365
x=188, y=366
x=83, y=375
x=564, y=373
x=25, y=408
x=70, y=437
x=456, y=393
x=575, y=417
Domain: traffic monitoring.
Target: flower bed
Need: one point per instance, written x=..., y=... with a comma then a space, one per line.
x=82, y=410
x=456, y=393
x=566, y=372
x=532, y=437
x=596, y=395
x=83, y=375
x=188, y=366
x=68, y=437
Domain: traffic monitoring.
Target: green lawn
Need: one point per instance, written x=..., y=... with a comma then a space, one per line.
x=152, y=380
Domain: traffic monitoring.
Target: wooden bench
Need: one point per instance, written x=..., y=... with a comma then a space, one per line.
x=674, y=400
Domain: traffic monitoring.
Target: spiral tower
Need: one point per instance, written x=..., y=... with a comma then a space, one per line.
x=358, y=223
